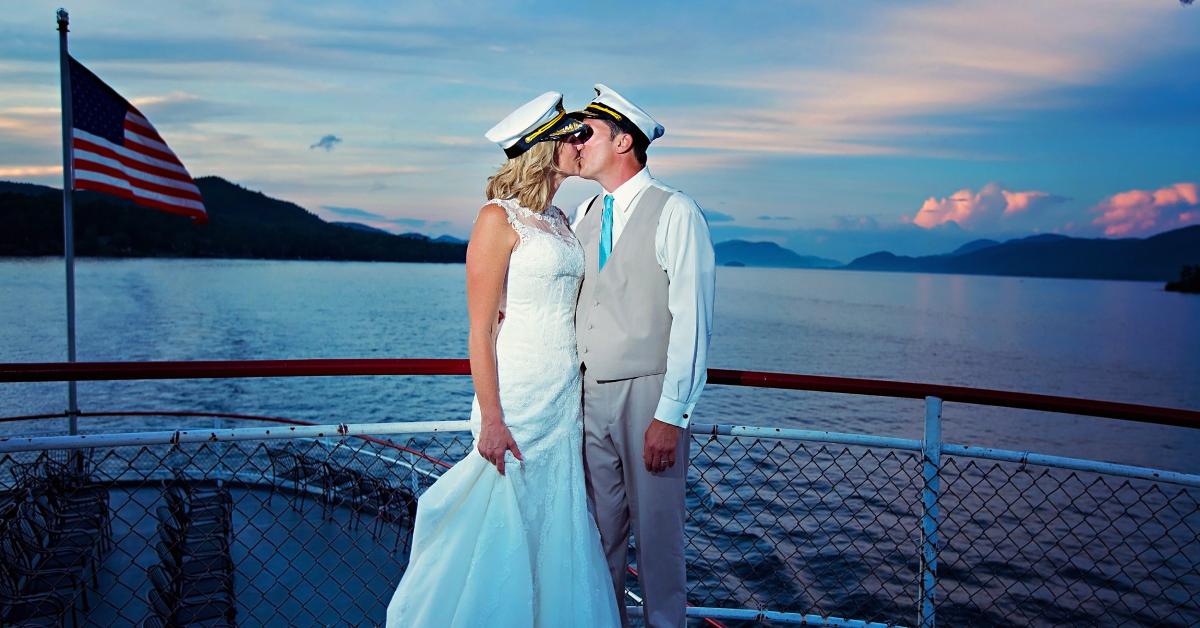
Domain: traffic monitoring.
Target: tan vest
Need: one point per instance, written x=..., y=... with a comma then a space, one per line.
x=622, y=322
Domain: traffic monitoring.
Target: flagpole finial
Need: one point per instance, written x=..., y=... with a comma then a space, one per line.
x=63, y=19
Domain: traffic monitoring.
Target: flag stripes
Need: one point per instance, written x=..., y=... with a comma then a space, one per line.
x=90, y=163
x=116, y=150
x=137, y=164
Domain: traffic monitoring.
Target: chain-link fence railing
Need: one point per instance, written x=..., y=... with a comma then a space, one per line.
x=785, y=525
x=1030, y=545
x=282, y=532
x=304, y=531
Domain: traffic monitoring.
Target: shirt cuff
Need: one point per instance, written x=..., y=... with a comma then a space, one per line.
x=673, y=412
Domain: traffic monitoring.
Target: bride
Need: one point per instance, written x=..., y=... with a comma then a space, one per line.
x=504, y=538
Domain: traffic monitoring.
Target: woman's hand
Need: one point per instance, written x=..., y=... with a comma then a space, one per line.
x=494, y=441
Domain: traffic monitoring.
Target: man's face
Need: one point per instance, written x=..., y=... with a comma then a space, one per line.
x=598, y=152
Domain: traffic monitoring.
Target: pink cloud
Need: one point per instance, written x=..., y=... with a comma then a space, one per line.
x=1020, y=201
x=1142, y=212
x=979, y=209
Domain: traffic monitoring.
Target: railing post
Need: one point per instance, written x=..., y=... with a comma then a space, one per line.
x=412, y=466
x=931, y=466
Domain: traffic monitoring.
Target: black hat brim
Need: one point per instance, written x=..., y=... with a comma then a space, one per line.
x=624, y=123
x=562, y=127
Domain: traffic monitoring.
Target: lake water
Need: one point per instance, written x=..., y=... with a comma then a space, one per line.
x=1123, y=341
x=782, y=527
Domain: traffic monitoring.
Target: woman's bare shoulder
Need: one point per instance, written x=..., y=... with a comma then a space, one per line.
x=492, y=212
x=493, y=223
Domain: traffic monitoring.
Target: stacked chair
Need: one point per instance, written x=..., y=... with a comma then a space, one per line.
x=193, y=584
x=337, y=484
x=389, y=504
x=55, y=530
x=344, y=485
x=297, y=468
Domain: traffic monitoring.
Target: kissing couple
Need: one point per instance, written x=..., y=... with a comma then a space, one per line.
x=588, y=346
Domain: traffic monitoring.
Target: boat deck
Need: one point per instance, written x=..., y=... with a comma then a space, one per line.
x=280, y=575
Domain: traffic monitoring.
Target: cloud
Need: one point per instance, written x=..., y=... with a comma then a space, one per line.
x=353, y=212
x=1020, y=201
x=455, y=140
x=40, y=125
x=150, y=102
x=855, y=223
x=893, y=78
x=716, y=216
x=676, y=162
x=379, y=220
x=1142, y=212
x=985, y=209
x=29, y=171
x=181, y=107
x=327, y=142
x=370, y=170
x=414, y=222
x=913, y=72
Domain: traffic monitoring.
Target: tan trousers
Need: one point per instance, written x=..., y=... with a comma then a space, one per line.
x=623, y=494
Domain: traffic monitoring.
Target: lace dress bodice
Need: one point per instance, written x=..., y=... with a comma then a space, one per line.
x=544, y=274
x=536, y=355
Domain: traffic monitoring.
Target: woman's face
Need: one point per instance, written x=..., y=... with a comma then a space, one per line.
x=566, y=158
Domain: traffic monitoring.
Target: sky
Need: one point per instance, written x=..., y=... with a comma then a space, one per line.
x=834, y=128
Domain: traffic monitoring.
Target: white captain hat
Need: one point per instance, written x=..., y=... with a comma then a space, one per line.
x=538, y=120
x=609, y=105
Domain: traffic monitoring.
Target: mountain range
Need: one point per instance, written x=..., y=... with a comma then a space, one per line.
x=744, y=253
x=242, y=224
x=1156, y=258
x=248, y=224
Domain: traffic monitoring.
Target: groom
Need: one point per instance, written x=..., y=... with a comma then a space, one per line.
x=643, y=323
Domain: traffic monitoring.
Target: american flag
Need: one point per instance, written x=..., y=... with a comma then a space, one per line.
x=116, y=150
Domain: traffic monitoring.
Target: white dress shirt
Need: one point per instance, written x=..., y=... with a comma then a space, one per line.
x=684, y=249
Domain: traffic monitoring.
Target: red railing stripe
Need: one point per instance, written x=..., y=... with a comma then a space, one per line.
x=91, y=371
x=34, y=417
x=961, y=394
x=218, y=369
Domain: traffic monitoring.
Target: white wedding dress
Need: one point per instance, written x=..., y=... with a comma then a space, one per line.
x=518, y=550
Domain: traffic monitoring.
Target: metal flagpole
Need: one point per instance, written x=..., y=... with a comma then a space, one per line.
x=64, y=69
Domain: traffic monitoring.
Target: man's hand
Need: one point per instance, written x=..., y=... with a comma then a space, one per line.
x=658, y=451
x=494, y=441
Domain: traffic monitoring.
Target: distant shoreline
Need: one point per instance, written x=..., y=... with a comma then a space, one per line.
x=244, y=224
x=4, y=258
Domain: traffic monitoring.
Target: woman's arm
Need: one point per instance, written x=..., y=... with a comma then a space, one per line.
x=491, y=245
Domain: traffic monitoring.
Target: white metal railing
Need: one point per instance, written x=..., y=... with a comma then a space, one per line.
x=932, y=477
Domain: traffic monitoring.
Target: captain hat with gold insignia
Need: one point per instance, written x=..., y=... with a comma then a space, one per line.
x=539, y=120
x=609, y=105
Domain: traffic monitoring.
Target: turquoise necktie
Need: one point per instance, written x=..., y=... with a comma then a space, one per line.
x=606, y=230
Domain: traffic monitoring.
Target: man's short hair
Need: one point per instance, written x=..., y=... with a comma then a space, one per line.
x=639, y=144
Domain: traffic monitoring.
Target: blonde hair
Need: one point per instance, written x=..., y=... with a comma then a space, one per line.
x=528, y=177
